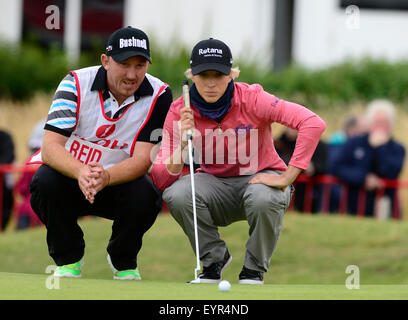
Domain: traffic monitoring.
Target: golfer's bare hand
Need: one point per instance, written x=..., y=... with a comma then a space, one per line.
x=187, y=123
x=272, y=180
x=277, y=181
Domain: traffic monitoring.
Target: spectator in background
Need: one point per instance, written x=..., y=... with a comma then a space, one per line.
x=365, y=159
x=6, y=183
x=285, y=145
x=25, y=214
x=354, y=125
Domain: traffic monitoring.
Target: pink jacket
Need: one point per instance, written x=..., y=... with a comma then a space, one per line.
x=242, y=143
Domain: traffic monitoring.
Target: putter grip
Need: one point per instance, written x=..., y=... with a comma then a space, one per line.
x=186, y=96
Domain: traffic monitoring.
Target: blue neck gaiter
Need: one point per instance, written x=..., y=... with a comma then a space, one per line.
x=214, y=111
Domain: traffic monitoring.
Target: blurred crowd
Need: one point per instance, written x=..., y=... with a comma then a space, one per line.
x=361, y=155
x=16, y=193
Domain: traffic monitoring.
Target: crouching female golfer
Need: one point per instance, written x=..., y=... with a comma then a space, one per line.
x=241, y=177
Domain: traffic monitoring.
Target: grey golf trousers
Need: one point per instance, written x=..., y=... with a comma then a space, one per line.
x=222, y=201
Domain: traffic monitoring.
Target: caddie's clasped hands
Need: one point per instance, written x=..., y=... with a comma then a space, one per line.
x=92, y=178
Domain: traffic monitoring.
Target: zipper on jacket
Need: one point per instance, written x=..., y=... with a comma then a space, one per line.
x=219, y=128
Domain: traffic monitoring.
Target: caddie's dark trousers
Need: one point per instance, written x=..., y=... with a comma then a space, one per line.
x=58, y=202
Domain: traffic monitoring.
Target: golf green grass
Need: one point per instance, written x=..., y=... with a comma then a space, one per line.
x=309, y=263
x=33, y=286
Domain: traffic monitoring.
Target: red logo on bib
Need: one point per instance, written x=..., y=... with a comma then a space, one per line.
x=105, y=131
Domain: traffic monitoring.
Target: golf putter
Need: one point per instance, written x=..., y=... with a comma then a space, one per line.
x=186, y=96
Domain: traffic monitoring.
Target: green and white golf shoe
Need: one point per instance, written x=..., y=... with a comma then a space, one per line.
x=72, y=270
x=124, y=274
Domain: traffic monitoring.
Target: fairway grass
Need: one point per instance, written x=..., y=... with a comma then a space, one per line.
x=19, y=286
x=310, y=263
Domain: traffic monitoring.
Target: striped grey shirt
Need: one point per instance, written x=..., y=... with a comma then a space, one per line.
x=63, y=110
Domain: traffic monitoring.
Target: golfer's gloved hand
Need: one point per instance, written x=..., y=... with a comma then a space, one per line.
x=186, y=124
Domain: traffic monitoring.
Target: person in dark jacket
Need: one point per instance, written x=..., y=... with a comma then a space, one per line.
x=353, y=126
x=285, y=145
x=368, y=158
x=6, y=157
x=25, y=215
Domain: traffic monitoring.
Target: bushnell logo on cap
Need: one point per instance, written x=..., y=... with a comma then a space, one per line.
x=128, y=42
x=211, y=54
